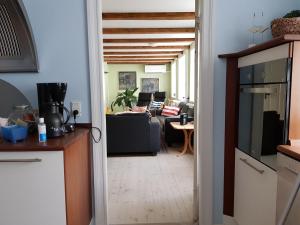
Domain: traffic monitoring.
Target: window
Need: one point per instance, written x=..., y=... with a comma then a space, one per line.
x=181, y=77
x=192, y=75
x=174, y=79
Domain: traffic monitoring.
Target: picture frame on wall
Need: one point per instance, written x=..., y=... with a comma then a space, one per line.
x=150, y=85
x=127, y=80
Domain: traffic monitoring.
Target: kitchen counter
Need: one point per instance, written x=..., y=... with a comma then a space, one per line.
x=53, y=144
x=292, y=151
x=60, y=180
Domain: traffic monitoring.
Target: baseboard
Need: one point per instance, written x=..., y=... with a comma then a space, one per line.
x=92, y=222
x=227, y=220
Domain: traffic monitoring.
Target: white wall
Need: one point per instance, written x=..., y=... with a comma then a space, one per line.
x=232, y=18
x=112, y=79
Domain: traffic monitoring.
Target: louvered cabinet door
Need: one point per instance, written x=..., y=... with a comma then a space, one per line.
x=17, y=45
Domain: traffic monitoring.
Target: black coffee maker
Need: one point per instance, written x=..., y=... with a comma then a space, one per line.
x=51, y=98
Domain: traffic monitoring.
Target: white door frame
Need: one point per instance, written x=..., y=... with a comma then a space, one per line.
x=96, y=63
x=204, y=123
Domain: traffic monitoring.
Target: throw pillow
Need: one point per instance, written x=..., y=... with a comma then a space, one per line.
x=139, y=108
x=156, y=105
x=170, y=111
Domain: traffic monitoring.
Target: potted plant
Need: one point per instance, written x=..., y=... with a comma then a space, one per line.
x=125, y=99
x=289, y=24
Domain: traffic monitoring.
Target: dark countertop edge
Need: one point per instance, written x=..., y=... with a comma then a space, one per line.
x=291, y=151
x=55, y=144
x=266, y=45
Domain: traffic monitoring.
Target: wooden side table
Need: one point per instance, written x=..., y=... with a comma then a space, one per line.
x=188, y=131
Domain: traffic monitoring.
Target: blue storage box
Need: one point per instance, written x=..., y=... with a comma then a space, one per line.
x=14, y=133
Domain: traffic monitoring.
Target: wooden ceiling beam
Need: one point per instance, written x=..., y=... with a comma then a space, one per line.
x=145, y=57
x=148, y=30
x=149, y=16
x=142, y=53
x=148, y=40
x=148, y=47
x=139, y=62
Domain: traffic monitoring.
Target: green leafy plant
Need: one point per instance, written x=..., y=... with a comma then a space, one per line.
x=293, y=14
x=125, y=99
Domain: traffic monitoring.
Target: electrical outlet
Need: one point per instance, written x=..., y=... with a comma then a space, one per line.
x=76, y=105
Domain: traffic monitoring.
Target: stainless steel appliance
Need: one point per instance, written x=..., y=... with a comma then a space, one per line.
x=288, y=194
x=51, y=98
x=263, y=109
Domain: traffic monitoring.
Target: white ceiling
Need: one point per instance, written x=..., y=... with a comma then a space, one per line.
x=148, y=23
x=127, y=6
x=157, y=54
x=131, y=36
x=149, y=44
x=148, y=5
x=126, y=57
x=143, y=50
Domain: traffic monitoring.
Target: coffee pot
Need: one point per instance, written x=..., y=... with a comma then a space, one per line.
x=54, y=120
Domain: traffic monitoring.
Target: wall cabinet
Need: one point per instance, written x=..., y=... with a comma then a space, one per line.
x=255, y=191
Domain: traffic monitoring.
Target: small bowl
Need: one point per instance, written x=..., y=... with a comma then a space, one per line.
x=14, y=133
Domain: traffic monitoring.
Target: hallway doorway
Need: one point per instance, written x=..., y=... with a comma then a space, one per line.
x=138, y=36
x=203, y=184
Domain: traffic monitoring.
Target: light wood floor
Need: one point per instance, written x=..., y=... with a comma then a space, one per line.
x=149, y=189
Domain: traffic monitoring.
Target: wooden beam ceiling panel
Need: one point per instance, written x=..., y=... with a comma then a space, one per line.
x=142, y=53
x=148, y=47
x=149, y=16
x=148, y=40
x=138, y=62
x=145, y=57
x=148, y=30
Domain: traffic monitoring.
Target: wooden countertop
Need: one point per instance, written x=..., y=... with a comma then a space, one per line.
x=177, y=126
x=54, y=144
x=266, y=45
x=292, y=151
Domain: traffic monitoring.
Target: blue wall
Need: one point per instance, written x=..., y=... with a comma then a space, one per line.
x=232, y=18
x=59, y=28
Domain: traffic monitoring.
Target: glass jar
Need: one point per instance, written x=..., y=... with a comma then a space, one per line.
x=23, y=115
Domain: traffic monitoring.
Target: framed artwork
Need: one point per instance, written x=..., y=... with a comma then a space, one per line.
x=127, y=80
x=150, y=85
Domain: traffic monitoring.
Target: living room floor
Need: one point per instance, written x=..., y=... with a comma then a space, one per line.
x=151, y=189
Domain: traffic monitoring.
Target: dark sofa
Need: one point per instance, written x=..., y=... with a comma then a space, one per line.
x=132, y=133
x=172, y=135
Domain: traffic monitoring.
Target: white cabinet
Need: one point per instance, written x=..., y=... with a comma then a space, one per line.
x=32, y=190
x=255, y=192
x=289, y=170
